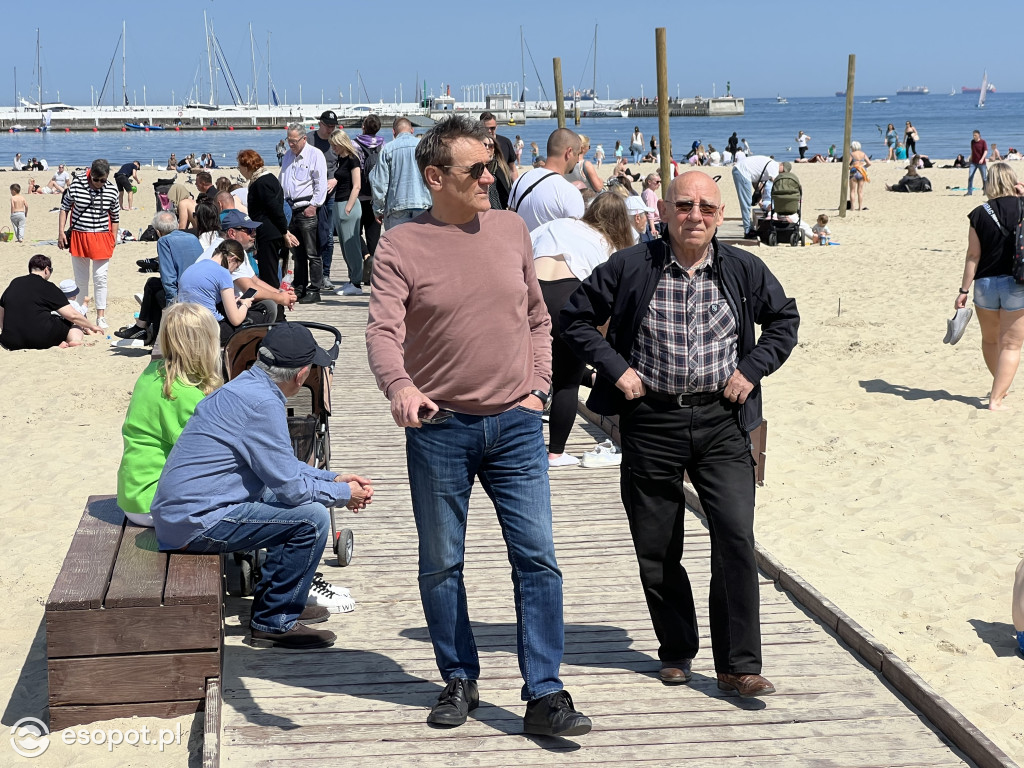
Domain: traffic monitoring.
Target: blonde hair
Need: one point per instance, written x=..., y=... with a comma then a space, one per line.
x=609, y=216
x=1001, y=181
x=340, y=140
x=189, y=339
x=584, y=142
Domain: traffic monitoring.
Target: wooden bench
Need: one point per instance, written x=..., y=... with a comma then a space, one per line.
x=130, y=630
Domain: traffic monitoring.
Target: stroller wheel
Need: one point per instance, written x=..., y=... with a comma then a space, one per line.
x=344, y=546
x=773, y=238
x=794, y=239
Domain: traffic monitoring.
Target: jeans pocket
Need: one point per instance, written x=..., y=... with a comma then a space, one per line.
x=524, y=409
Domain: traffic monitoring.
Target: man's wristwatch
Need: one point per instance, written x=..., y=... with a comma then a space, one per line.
x=541, y=395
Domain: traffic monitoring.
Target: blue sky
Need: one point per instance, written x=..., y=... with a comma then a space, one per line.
x=796, y=50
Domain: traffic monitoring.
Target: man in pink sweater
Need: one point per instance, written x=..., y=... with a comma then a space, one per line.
x=459, y=341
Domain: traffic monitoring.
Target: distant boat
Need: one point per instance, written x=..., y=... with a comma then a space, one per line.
x=781, y=100
x=913, y=90
x=140, y=127
x=604, y=113
x=964, y=89
x=983, y=90
x=952, y=91
x=840, y=93
x=879, y=100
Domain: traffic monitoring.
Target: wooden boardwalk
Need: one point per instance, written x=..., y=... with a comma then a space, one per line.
x=365, y=700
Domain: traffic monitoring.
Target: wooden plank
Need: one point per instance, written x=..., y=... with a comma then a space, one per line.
x=139, y=571
x=66, y=716
x=126, y=679
x=193, y=580
x=83, y=577
x=132, y=630
x=211, y=724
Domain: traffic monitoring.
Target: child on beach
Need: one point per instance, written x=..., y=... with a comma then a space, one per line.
x=820, y=231
x=599, y=155
x=19, y=212
x=535, y=150
x=70, y=289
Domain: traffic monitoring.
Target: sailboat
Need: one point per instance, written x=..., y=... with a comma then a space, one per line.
x=952, y=91
x=984, y=90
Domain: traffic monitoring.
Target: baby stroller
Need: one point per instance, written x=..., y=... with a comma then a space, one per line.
x=163, y=201
x=787, y=201
x=309, y=430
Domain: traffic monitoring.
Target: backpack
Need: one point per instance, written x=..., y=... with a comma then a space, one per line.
x=1018, y=240
x=368, y=157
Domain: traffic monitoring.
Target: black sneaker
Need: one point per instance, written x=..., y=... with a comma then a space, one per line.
x=148, y=265
x=131, y=332
x=554, y=715
x=456, y=701
x=311, y=297
x=298, y=637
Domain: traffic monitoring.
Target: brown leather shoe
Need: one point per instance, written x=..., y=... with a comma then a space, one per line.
x=747, y=686
x=676, y=672
x=299, y=637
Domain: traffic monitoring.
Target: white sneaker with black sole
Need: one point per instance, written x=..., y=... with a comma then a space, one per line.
x=323, y=594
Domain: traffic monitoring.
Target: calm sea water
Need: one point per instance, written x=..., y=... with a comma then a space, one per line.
x=944, y=123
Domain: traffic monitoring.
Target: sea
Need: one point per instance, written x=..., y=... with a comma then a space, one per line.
x=944, y=123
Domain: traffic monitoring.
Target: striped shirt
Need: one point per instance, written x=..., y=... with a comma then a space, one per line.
x=92, y=210
x=687, y=340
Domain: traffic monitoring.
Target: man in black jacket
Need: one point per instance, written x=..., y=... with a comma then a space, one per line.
x=682, y=368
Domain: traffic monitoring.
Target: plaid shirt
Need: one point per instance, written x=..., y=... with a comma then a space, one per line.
x=687, y=340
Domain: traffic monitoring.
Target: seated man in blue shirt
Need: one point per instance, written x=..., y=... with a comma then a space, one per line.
x=231, y=483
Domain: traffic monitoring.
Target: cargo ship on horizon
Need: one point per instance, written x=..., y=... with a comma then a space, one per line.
x=913, y=90
x=964, y=89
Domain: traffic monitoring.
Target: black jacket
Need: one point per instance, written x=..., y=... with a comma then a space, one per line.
x=621, y=290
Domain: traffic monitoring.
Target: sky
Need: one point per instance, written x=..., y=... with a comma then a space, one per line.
x=761, y=48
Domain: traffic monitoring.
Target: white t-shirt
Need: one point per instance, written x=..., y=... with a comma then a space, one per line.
x=244, y=269
x=758, y=168
x=553, y=198
x=62, y=177
x=582, y=246
x=801, y=140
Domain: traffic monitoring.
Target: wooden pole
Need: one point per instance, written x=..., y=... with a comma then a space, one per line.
x=664, y=139
x=844, y=180
x=559, y=95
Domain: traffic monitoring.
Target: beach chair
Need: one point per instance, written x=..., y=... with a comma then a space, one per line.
x=308, y=426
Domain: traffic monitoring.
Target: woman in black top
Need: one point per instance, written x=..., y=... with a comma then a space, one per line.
x=27, y=307
x=347, y=210
x=998, y=298
x=266, y=205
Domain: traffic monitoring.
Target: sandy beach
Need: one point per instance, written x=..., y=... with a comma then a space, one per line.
x=889, y=487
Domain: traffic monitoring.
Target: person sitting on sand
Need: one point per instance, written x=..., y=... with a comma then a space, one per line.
x=960, y=162
x=998, y=298
x=26, y=307
x=820, y=230
x=1012, y=154
x=912, y=182
x=172, y=163
x=35, y=189
x=18, y=164
x=163, y=400
x=60, y=179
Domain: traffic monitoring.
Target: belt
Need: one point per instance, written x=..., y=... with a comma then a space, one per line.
x=686, y=398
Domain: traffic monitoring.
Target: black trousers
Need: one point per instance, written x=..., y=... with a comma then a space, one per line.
x=371, y=234
x=153, y=301
x=566, y=368
x=308, y=269
x=659, y=442
x=272, y=259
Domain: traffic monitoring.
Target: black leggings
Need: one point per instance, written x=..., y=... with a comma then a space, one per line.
x=566, y=368
x=911, y=146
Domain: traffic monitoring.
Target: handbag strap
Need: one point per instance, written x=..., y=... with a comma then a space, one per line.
x=529, y=189
x=990, y=212
x=84, y=210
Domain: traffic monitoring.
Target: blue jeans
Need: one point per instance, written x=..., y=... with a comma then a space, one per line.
x=507, y=453
x=395, y=218
x=325, y=233
x=745, y=193
x=294, y=538
x=636, y=152
x=984, y=176
x=347, y=227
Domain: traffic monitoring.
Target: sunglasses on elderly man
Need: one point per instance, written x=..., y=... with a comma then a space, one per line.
x=706, y=209
x=475, y=171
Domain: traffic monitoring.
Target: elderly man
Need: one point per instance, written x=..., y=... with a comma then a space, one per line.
x=60, y=179
x=176, y=251
x=682, y=368
x=320, y=138
x=304, y=181
x=399, y=193
x=639, y=216
x=543, y=194
x=752, y=173
x=232, y=483
x=466, y=364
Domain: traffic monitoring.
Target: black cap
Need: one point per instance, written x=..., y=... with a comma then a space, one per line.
x=291, y=345
x=329, y=118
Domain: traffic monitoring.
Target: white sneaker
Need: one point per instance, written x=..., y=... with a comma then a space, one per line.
x=323, y=594
x=102, y=323
x=350, y=290
x=604, y=455
x=138, y=298
x=565, y=460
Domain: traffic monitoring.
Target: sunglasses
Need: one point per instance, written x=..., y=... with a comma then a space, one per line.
x=706, y=209
x=475, y=171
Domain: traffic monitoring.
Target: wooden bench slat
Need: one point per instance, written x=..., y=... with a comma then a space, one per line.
x=139, y=572
x=147, y=629
x=126, y=679
x=193, y=580
x=65, y=717
x=83, y=578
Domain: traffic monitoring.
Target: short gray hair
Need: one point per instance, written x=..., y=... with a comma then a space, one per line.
x=277, y=374
x=164, y=223
x=297, y=128
x=435, y=148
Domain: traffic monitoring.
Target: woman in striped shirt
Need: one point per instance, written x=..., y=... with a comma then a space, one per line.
x=90, y=210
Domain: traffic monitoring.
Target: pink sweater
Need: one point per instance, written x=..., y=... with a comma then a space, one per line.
x=457, y=311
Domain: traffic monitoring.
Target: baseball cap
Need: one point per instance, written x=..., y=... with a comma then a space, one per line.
x=635, y=205
x=329, y=118
x=291, y=345
x=234, y=219
x=69, y=287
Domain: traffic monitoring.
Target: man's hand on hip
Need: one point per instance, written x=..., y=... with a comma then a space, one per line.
x=406, y=405
x=631, y=385
x=737, y=388
x=309, y=211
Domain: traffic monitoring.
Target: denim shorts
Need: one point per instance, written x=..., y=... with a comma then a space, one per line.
x=1001, y=292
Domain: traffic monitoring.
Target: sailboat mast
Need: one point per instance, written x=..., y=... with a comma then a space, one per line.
x=594, y=88
x=522, y=63
x=39, y=73
x=209, y=58
x=124, y=74
x=252, y=52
